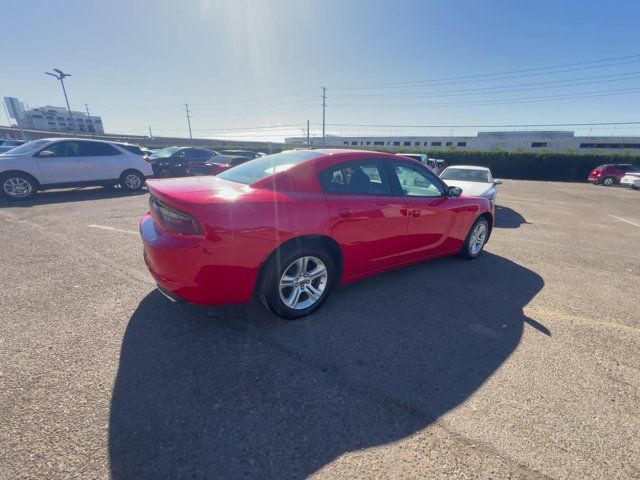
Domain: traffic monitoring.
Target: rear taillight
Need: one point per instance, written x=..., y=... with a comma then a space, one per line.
x=598, y=171
x=172, y=219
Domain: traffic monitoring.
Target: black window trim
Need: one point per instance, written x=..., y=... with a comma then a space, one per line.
x=397, y=188
x=382, y=168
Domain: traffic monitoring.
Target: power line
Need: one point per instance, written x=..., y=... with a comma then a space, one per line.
x=507, y=74
x=498, y=102
x=483, y=126
x=503, y=88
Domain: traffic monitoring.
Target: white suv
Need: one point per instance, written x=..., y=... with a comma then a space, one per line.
x=68, y=162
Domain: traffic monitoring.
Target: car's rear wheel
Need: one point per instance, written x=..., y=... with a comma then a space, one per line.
x=132, y=180
x=297, y=281
x=476, y=239
x=608, y=181
x=18, y=186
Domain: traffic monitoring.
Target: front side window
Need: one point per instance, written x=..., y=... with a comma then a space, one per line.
x=64, y=149
x=366, y=177
x=415, y=182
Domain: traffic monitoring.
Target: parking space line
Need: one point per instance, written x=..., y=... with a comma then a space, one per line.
x=625, y=220
x=113, y=229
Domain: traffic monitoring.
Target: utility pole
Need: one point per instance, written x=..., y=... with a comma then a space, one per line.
x=61, y=76
x=91, y=129
x=150, y=134
x=186, y=108
x=324, y=108
x=308, y=142
x=31, y=124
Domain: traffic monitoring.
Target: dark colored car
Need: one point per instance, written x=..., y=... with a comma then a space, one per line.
x=6, y=145
x=610, y=174
x=242, y=153
x=176, y=161
x=217, y=164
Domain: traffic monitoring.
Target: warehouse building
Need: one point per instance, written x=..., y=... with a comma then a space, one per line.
x=532, y=141
x=52, y=118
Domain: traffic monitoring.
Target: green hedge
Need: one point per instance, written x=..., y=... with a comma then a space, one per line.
x=534, y=166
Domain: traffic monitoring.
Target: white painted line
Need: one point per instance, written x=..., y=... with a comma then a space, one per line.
x=625, y=220
x=130, y=232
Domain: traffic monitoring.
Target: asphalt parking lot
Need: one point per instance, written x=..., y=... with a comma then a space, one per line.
x=522, y=364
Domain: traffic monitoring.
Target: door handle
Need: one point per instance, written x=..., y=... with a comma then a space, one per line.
x=345, y=212
x=415, y=213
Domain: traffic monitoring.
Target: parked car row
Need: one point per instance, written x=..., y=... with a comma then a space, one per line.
x=71, y=162
x=616, y=174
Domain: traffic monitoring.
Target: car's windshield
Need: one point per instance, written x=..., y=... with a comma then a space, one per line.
x=165, y=152
x=466, y=175
x=28, y=147
x=256, y=170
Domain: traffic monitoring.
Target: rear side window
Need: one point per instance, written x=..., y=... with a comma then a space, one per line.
x=96, y=149
x=136, y=150
x=365, y=177
x=198, y=154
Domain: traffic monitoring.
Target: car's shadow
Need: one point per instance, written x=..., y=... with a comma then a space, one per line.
x=72, y=195
x=235, y=393
x=508, y=218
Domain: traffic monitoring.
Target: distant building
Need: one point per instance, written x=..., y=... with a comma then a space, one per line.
x=557, y=141
x=52, y=118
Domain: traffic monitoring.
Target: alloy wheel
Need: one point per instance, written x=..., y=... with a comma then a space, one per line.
x=132, y=181
x=478, y=237
x=17, y=187
x=303, y=282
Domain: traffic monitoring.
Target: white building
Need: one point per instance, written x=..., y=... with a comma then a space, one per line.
x=52, y=118
x=532, y=141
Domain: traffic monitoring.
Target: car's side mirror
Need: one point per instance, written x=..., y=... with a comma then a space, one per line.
x=497, y=181
x=453, y=192
x=46, y=153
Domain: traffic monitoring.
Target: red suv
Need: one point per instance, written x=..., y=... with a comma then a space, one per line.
x=610, y=174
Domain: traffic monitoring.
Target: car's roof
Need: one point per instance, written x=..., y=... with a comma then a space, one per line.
x=468, y=167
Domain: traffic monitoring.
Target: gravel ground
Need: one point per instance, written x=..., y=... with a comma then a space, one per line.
x=521, y=364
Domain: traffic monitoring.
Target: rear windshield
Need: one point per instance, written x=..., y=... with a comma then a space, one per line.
x=263, y=167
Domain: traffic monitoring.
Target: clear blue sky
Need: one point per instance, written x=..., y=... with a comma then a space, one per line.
x=245, y=63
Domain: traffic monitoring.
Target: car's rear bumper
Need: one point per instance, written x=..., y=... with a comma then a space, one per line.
x=187, y=268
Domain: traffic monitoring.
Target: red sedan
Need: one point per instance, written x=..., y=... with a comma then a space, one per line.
x=288, y=227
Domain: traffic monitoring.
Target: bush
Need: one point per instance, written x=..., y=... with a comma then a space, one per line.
x=534, y=166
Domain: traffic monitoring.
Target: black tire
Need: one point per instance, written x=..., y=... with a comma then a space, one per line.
x=468, y=250
x=633, y=187
x=280, y=263
x=164, y=173
x=608, y=181
x=132, y=180
x=17, y=186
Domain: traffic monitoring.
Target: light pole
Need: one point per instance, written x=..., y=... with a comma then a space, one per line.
x=60, y=75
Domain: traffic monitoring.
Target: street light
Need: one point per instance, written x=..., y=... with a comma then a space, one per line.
x=60, y=75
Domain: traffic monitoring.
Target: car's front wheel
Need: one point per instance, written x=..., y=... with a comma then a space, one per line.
x=297, y=282
x=132, y=180
x=476, y=239
x=18, y=186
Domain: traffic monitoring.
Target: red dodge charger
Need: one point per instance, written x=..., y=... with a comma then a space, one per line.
x=290, y=226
